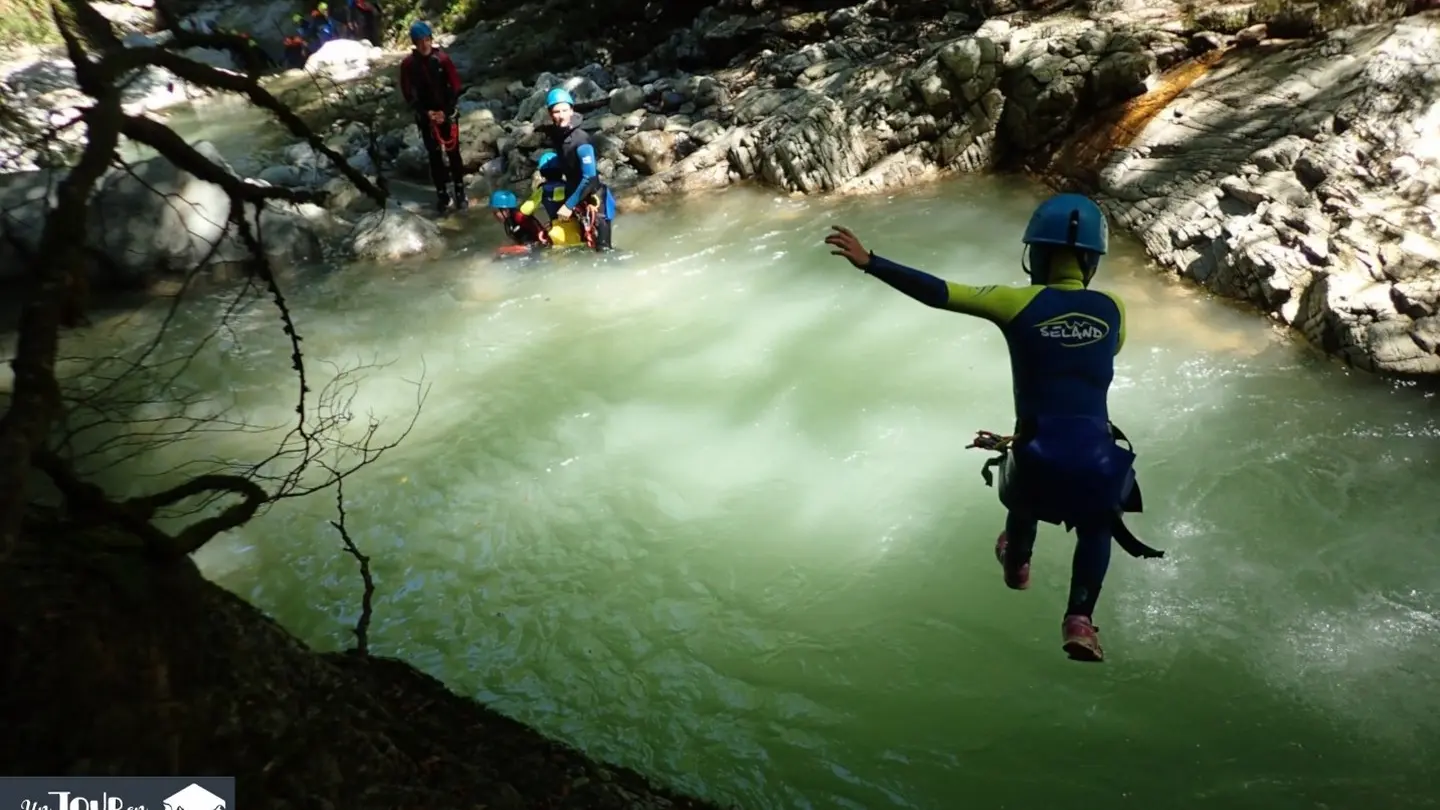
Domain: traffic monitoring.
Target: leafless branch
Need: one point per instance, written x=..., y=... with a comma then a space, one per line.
x=217, y=79
x=326, y=87
x=36, y=396
x=109, y=410
x=367, y=597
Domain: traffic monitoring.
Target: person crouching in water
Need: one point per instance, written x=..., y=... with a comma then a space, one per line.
x=588, y=199
x=550, y=197
x=1064, y=464
x=523, y=229
x=431, y=86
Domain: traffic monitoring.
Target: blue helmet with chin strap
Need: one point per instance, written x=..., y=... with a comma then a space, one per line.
x=1070, y=221
x=503, y=198
x=420, y=30
x=558, y=96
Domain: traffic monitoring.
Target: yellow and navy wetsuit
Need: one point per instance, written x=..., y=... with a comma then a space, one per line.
x=551, y=196
x=1063, y=339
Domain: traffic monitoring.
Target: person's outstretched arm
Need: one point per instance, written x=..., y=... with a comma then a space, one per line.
x=997, y=304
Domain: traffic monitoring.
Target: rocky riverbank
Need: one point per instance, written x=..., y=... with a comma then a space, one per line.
x=1299, y=175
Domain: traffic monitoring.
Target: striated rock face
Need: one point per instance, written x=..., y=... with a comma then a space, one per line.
x=1306, y=180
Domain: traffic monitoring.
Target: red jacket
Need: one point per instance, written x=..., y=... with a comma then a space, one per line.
x=430, y=82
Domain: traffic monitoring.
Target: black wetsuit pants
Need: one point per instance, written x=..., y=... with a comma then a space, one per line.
x=434, y=149
x=1087, y=568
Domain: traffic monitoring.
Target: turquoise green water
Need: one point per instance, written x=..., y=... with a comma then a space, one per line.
x=704, y=510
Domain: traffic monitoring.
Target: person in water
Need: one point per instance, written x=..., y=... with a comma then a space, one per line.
x=1063, y=465
x=431, y=86
x=549, y=196
x=587, y=198
x=522, y=227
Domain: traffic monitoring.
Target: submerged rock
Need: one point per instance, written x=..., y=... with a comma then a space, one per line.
x=395, y=234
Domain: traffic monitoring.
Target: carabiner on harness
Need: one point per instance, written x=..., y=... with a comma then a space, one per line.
x=1126, y=539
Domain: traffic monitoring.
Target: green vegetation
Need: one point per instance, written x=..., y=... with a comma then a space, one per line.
x=447, y=15
x=26, y=22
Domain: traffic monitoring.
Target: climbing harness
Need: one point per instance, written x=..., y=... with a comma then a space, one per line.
x=1126, y=539
x=586, y=213
x=446, y=144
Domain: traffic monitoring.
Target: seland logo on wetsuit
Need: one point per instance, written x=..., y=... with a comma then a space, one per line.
x=1073, y=330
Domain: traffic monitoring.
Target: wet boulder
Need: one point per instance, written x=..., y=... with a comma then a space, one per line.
x=154, y=219
x=652, y=151
x=394, y=234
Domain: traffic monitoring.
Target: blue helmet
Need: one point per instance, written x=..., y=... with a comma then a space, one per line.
x=558, y=96
x=420, y=30
x=503, y=198
x=549, y=165
x=1069, y=221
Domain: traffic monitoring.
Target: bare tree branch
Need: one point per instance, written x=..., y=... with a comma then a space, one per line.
x=215, y=78
x=367, y=597
x=108, y=410
x=164, y=140
x=36, y=398
x=372, y=136
x=88, y=500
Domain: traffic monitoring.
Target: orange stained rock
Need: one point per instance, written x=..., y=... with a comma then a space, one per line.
x=1082, y=157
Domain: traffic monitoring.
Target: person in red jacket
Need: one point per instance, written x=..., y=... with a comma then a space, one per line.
x=431, y=86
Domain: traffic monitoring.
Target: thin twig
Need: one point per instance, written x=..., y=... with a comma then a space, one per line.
x=362, y=625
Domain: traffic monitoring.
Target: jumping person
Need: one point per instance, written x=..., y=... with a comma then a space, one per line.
x=1063, y=463
x=431, y=86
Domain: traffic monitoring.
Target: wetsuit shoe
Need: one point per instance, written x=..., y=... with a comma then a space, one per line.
x=1015, y=578
x=1082, y=639
x=461, y=201
x=442, y=202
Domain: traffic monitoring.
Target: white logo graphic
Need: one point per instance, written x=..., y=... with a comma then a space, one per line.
x=66, y=801
x=194, y=798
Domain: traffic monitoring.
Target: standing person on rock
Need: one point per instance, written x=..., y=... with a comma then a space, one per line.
x=322, y=27
x=365, y=20
x=296, y=45
x=588, y=200
x=1063, y=465
x=431, y=86
x=339, y=19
